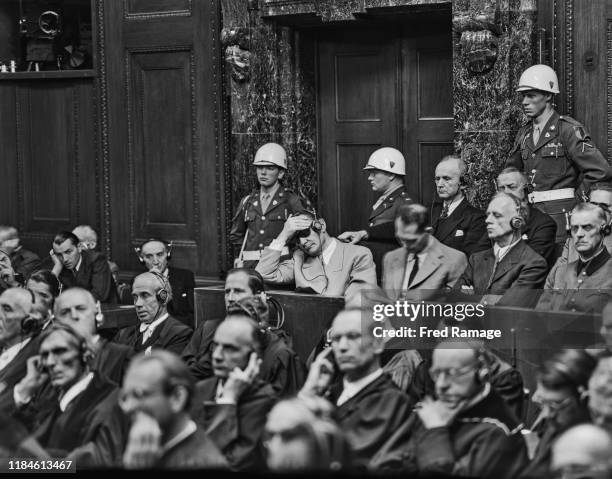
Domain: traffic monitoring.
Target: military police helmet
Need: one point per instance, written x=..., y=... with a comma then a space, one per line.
x=387, y=159
x=271, y=154
x=539, y=77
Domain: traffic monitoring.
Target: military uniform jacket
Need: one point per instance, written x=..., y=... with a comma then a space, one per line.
x=263, y=226
x=589, y=291
x=381, y=223
x=564, y=151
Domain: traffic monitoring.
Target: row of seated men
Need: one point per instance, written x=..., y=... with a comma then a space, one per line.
x=494, y=256
x=224, y=396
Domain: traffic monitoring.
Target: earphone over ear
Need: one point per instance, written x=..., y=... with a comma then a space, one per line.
x=482, y=373
x=517, y=222
x=162, y=295
x=167, y=244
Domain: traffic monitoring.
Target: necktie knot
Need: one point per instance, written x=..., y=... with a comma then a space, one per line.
x=444, y=213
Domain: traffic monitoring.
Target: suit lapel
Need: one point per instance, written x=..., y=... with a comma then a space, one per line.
x=398, y=268
x=387, y=203
x=445, y=228
x=347, y=408
x=432, y=262
x=337, y=258
x=312, y=270
x=508, y=261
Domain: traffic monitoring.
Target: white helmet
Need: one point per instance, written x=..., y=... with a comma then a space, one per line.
x=387, y=159
x=271, y=154
x=539, y=77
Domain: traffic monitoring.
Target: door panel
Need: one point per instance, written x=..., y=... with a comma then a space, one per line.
x=357, y=103
x=380, y=88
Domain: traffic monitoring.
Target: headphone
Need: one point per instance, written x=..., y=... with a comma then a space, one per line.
x=86, y=353
x=168, y=246
x=30, y=325
x=482, y=373
x=517, y=222
x=163, y=295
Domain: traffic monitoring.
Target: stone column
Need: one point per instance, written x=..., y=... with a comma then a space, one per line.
x=270, y=82
x=492, y=44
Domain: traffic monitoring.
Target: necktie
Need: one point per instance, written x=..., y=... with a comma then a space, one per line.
x=536, y=135
x=444, y=213
x=415, y=270
x=265, y=201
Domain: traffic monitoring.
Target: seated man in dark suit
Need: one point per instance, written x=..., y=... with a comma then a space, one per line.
x=82, y=421
x=245, y=295
x=232, y=405
x=163, y=435
x=23, y=261
x=157, y=329
x=423, y=266
x=455, y=222
x=77, y=306
x=87, y=269
x=510, y=272
x=369, y=407
x=20, y=327
x=584, y=284
x=540, y=229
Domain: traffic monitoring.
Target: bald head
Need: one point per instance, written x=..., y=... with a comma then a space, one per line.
x=77, y=306
x=236, y=338
x=585, y=445
x=87, y=236
x=448, y=176
x=19, y=297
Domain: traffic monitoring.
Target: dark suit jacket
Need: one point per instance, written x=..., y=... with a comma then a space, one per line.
x=541, y=230
x=236, y=429
x=171, y=335
x=281, y=367
x=92, y=430
x=25, y=262
x=197, y=451
x=112, y=360
x=94, y=275
x=520, y=272
x=370, y=417
x=182, y=283
x=464, y=229
x=16, y=370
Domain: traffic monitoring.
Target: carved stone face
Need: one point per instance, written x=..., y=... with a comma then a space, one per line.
x=479, y=50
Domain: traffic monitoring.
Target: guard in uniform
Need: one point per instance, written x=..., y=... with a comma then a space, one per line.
x=261, y=215
x=555, y=151
x=387, y=168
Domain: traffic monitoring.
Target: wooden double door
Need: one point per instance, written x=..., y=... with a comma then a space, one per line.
x=388, y=86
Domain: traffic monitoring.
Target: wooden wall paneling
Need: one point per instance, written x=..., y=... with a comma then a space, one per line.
x=590, y=68
x=358, y=112
x=428, y=109
x=163, y=112
x=9, y=194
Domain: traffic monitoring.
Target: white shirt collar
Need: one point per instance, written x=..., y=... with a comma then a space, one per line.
x=351, y=388
x=76, y=268
x=452, y=206
x=76, y=389
x=187, y=431
x=329, y=251
x=9, y=354
x=501, y=251
x=151, y=326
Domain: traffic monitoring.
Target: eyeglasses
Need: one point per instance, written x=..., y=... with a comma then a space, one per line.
x=451, y=373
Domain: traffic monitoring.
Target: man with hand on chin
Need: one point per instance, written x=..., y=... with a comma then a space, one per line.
x=467, y=430
x=151, y=293
x=584, y=284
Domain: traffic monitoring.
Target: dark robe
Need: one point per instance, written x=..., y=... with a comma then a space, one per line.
x=94, y=275
x=236, y=429
x=197, y=451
